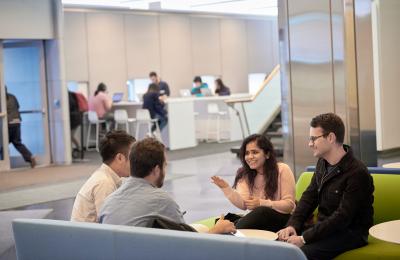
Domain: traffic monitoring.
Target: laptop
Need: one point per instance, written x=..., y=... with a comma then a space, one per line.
x=117, y=97
x=206, y=92
x=185, y=93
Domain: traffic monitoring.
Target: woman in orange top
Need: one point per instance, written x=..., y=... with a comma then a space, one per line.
x=262, y=185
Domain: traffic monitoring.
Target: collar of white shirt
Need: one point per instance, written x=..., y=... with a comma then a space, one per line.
x=111, y=173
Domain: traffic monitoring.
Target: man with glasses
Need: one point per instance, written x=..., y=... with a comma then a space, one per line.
x=341, y=188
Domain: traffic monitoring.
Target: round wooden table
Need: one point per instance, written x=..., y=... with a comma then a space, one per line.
x=255, y=233
x=391, y=165
x=387, y=231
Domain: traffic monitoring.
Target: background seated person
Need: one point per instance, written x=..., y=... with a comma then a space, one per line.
x=114, y=151
x=101, y=103
x=262, y=185
x=164, y=88
x=140, y=198
x=221, y=89
x=198, y=85
x=341, y=188
x=156, y=107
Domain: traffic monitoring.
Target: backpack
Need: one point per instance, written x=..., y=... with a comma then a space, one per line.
x=164, y=223
x=82, y=102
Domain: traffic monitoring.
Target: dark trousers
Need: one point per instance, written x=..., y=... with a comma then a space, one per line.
x=334, y=245
x=162, y=122
x=14, y=133
x=263, y=218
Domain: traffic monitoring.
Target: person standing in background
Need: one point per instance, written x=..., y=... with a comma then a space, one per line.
x=221, y=89
x=101, y=103
x=164, y=88
x=14, y=129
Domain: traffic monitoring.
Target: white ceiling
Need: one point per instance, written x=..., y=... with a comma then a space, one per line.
x=248, y=7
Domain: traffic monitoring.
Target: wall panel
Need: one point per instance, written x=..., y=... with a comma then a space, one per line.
x=176, y=51
x=106, y=48
x=114, y=46
x=76, y=53
x=260, y=47
x=234, y=54
x=142, y=44
x=206, y=46
x=26, y=19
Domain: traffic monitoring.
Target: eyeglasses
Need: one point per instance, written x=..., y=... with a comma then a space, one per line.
x=314, y=138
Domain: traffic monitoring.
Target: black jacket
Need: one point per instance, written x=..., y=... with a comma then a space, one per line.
x=152, y=102
x=344, y=198
x=12, y=108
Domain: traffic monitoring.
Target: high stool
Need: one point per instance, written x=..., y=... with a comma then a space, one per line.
x=143, y=118
x=121, y=118
x=93, y=120
x=214, y=113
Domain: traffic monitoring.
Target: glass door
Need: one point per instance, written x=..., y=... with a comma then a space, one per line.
x=24, y=78
x=4, y=159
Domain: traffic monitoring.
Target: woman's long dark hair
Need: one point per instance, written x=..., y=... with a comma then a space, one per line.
x=271, y=170
x=100, y=88
x=220, y=85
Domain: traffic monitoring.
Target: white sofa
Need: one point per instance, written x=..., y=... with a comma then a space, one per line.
x=54, y=239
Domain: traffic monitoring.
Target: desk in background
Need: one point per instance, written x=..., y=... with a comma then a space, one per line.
x=184, y=127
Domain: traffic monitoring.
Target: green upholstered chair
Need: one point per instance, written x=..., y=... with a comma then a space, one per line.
x=208, y=222
x=386, y=208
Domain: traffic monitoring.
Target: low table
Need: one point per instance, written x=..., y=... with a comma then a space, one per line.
x=387, y=231
x=256, y=233
x=391, y=165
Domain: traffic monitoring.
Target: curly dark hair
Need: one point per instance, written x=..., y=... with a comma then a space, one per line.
x=271, y=170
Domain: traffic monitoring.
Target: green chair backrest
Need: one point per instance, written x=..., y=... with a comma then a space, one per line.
x=302, y=183
x=386, y=195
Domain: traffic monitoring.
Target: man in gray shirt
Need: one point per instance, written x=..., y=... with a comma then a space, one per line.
x=140, y=198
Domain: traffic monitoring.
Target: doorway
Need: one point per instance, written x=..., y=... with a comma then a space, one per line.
x=23, y=73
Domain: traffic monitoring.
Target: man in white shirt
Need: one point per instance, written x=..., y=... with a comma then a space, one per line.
x=140, y=199
x=115, y=150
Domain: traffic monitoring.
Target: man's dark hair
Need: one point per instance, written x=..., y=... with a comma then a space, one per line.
x=197, y=79
x=145, y=155
x=152, y=74
x=116, y=141
x=330, y=123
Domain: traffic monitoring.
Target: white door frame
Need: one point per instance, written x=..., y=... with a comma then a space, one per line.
x=5, y=163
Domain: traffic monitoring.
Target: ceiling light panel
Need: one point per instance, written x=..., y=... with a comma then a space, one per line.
x=247, y=7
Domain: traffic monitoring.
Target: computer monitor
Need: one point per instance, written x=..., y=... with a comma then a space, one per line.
x=117, y=97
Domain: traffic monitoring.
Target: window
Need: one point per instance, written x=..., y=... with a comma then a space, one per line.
x=136, y=88
x=255, y=81
x=81, y=87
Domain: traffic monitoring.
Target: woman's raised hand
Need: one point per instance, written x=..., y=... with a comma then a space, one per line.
x=219, y=182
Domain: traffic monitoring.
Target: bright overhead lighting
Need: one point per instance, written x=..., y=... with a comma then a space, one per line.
x=246, y=7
